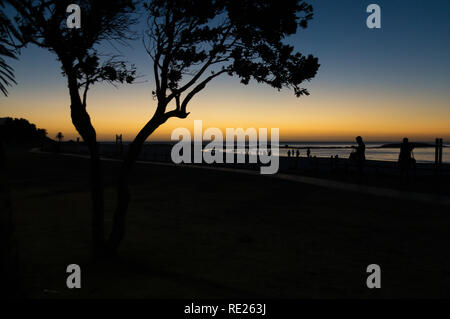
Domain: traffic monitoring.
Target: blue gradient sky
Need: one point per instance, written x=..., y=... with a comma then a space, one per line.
x=383, y=84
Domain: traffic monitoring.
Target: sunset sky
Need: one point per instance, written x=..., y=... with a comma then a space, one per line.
x=381, y=84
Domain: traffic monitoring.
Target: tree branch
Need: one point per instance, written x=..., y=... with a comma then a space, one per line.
x=180, y=111
x=208, y=63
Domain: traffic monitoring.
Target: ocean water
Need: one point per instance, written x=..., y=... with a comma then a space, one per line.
x=373, y=152
x=342, y=149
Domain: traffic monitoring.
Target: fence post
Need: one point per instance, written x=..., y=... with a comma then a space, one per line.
x=119, y=145
x=438, y=155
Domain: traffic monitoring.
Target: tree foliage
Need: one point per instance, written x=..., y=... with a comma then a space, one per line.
x=21, y=132
x=193, y=41
x=43, y=23
x=10, y=39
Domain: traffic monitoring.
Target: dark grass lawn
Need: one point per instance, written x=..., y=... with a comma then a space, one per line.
x=196, y=233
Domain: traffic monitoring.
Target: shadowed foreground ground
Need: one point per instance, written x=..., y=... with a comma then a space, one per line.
x=203, y=234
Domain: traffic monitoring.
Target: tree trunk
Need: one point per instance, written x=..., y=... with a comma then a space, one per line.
x=123, y=192
x=82, y=123
x=96, y=178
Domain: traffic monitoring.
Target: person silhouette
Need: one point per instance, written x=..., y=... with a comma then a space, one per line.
x=298, y=153
x=308, y=152
x=289, y=153
x=336, y=159
x=360, y=150
x=405, y=158
x=359, y=155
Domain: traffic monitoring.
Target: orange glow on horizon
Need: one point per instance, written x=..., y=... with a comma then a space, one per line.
x=323, y=116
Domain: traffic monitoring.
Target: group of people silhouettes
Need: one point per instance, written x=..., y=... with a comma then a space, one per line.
x=292, y=153
x=405, y=160
x=297, y=153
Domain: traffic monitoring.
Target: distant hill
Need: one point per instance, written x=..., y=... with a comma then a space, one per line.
x=20, y=132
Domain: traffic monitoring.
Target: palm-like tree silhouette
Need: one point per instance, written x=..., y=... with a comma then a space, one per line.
x=8, y=48
x=59, y=136
x=9, y=251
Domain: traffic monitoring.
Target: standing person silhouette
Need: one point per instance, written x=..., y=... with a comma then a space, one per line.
x=359, y=155
x=405, y=159
x=308, y=152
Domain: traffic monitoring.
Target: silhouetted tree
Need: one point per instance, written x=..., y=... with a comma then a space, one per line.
x=192, y=42
x=9, y=44
x=43, y=23
x=20, y=132
x=59, y=136
x=8, y=251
